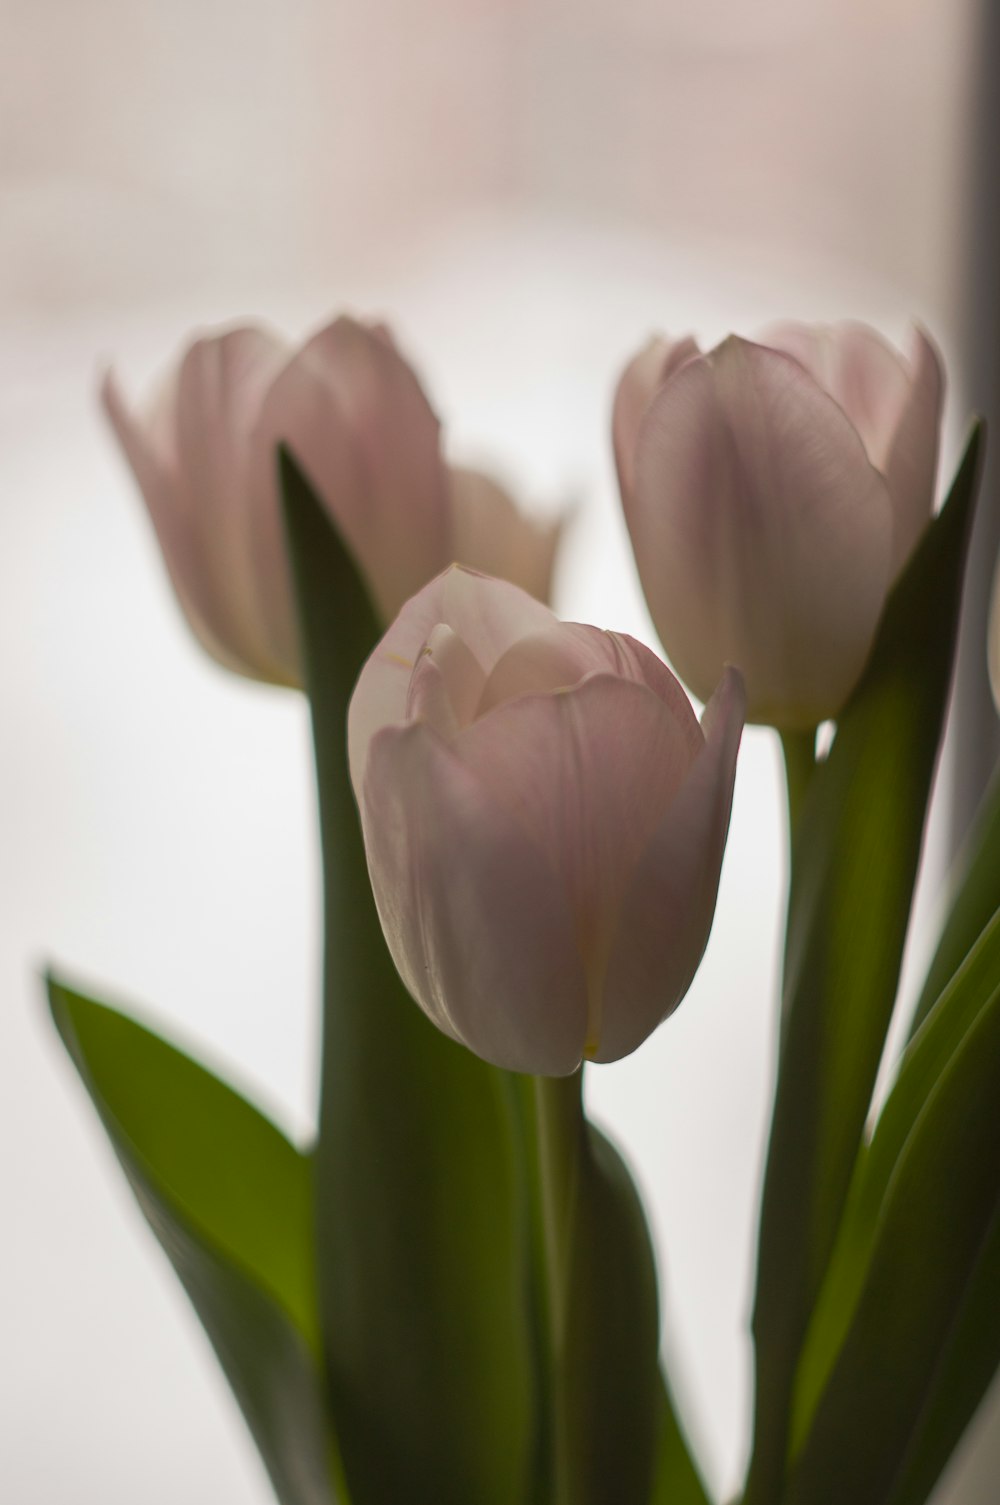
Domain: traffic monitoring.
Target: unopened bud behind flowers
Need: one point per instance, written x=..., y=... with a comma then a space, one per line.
x=356, y=419
x=774, y=492
x=544, y=821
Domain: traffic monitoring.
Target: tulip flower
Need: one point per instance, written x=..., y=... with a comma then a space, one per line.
x=544, y=820
x=773, y=493
x=353, y=413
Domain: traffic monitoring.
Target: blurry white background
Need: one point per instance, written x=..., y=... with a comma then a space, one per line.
x=526, y=191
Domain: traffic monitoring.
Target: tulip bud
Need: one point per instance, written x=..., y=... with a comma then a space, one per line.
x=544, y=821
x=773, y=493
x=355, y=417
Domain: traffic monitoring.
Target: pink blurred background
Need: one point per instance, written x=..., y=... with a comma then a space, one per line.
x=526, y=190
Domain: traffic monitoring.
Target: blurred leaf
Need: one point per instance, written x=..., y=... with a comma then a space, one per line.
x=421, y=1215
x=610, y=1377
x=676, y=1480
x=938, y=1224
x=230, y=1200
x=856, y=852
x=977, y=898
x=965, y=1370
x=923, y=1065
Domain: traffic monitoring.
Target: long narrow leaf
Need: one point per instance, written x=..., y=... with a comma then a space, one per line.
x=230, y=1200
x=924, y=1064
x=611, y=1353
x=422, y=1242
x=939, y=1219
x=965, y=1370
x=676, y=1479
x=977, y=898
x=856, y=853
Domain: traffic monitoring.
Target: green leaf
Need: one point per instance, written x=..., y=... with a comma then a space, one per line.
x=614, y=1331
x=977, y=898
x=421, y=1217
x=855, y=858
x=603, y=1310
x=938, y=1224
x=676, y=1480
x=924, y=1064
x=230, y=1200
x=965, y=1370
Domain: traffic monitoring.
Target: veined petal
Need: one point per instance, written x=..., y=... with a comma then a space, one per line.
x=564, y=653
x=762, y=533
x=859, y=369
x=446, y=684
x=399, y=488
x=911, y=471
x=202, y=596
x=488, y=615
x=587, y=774
x=490, y=534
x=637, y=385
x=666, y=915
x=221, y=385
x=474, y=917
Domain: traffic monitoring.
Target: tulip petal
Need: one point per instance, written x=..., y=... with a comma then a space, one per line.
x=446, y=684
x=490, y=534
x=911, y=472
x=588, y=774
x=355, y=417
x=488, y=615
x=666, y=915
x=564, y=653
x=221, y=385
x=857, y=368
x=150, y=450
x=637, y=386
x=761, y=531
x=474, y=917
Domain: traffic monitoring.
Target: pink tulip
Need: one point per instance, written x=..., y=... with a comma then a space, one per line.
x=356, y=418
x=544, y=821
x=773, y=493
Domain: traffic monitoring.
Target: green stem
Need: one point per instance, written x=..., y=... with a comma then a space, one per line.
x=799, y=749
x=559, y=1110
x=774, y=1383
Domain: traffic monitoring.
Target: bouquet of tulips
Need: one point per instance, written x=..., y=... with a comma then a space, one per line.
x=449, y=1298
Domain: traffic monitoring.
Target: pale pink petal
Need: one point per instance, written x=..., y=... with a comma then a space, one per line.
x=566, y=652
x=348, y=390
x=911, y=472
x=588, y=775
x=446, y=684
x=666, y=915
x=488, y=615
x=872, y=387
x=475, y=919
x=761, y=532
x=857, y=368
x=490, y=534
x=299, y=412
x=221, y=386
x=202, y=596
x=637, y=385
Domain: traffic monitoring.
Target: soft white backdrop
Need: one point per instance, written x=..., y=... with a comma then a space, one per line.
x=526, y=193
